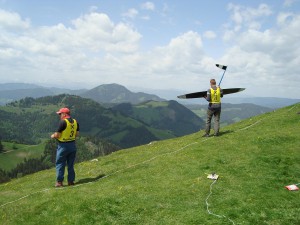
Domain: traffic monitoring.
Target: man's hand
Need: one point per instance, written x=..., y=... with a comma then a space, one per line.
x=55, y=135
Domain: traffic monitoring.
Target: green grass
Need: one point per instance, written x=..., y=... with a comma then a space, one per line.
x=165, y=182
x=16, y=153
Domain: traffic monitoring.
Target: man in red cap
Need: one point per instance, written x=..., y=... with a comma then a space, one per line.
x=66, y=134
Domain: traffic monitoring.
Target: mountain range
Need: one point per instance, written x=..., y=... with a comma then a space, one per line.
x=115, y=93
x=106, y=93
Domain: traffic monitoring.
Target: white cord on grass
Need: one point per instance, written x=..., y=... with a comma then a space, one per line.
x=245, y=128
x=207, y=204
x=32, y=193
x=118, y=171
x=151, y=159
x=109, y=175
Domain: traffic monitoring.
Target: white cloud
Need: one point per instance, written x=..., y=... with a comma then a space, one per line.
x=54, y=50
x=289, y=3
x=209, y=34
x=267, y=60
x=11, y=20
x=148, y=6
x=131, y=13
x=283, y=18
x=94, y=50
x=248, y=17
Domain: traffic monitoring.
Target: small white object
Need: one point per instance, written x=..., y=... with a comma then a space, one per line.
x=292, y=187
x=213, y=176
x=94, y=160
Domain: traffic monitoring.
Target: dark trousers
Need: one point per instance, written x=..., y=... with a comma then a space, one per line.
x=65, y=155
x=216, y=114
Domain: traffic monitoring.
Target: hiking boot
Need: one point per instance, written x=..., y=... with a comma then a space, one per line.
x=59, y=184
x=71, y=183
x=205, y=135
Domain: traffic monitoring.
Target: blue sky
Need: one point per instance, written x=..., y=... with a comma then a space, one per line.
x=147, y=45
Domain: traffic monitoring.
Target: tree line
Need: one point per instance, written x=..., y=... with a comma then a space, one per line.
x=87, y=148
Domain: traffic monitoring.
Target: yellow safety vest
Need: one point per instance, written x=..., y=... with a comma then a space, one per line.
x=69, y=134
x=215, y=95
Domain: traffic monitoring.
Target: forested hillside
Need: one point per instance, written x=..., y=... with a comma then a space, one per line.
x=166, y=115
x=32, y=120
x=87, y=148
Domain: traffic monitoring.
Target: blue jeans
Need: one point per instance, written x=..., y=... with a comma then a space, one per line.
x=65, y=154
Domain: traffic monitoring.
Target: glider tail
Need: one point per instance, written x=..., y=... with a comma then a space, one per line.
x=221, y=66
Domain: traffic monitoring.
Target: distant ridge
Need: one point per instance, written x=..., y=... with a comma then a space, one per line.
x=271, y=102
x=17, y=94
x=14, y=86
x=115, y=93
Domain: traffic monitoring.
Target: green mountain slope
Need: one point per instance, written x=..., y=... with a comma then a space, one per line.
x=165, y=182
x=16, y=153
x=39, y=118
x=166, y=115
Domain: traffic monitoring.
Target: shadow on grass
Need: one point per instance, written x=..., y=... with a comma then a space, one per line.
x=221, y=133
x=92, y=179
x=225, y=132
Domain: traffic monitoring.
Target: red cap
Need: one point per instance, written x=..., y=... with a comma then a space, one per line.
x=63, y=110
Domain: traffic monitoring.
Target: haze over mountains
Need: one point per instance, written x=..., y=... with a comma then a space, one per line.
x=107, y=93
x=115, y=93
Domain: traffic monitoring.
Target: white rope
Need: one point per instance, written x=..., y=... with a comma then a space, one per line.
x=245, y=128
x=109, y=175
x=207, y=204
x=47, y=189
x=118, y=171
x=292, y=107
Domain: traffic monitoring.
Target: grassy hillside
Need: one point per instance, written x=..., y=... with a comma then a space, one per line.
x=165, y=182
x=167, y=115
x=15, y=154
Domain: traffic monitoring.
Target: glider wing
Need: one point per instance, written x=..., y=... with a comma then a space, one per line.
x=202, y=94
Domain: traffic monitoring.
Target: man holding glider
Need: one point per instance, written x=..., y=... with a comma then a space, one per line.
x=214, y=95
x=66, y=134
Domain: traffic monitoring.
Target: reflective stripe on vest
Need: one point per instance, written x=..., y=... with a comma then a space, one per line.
x=215, y=95
x=69, y=134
